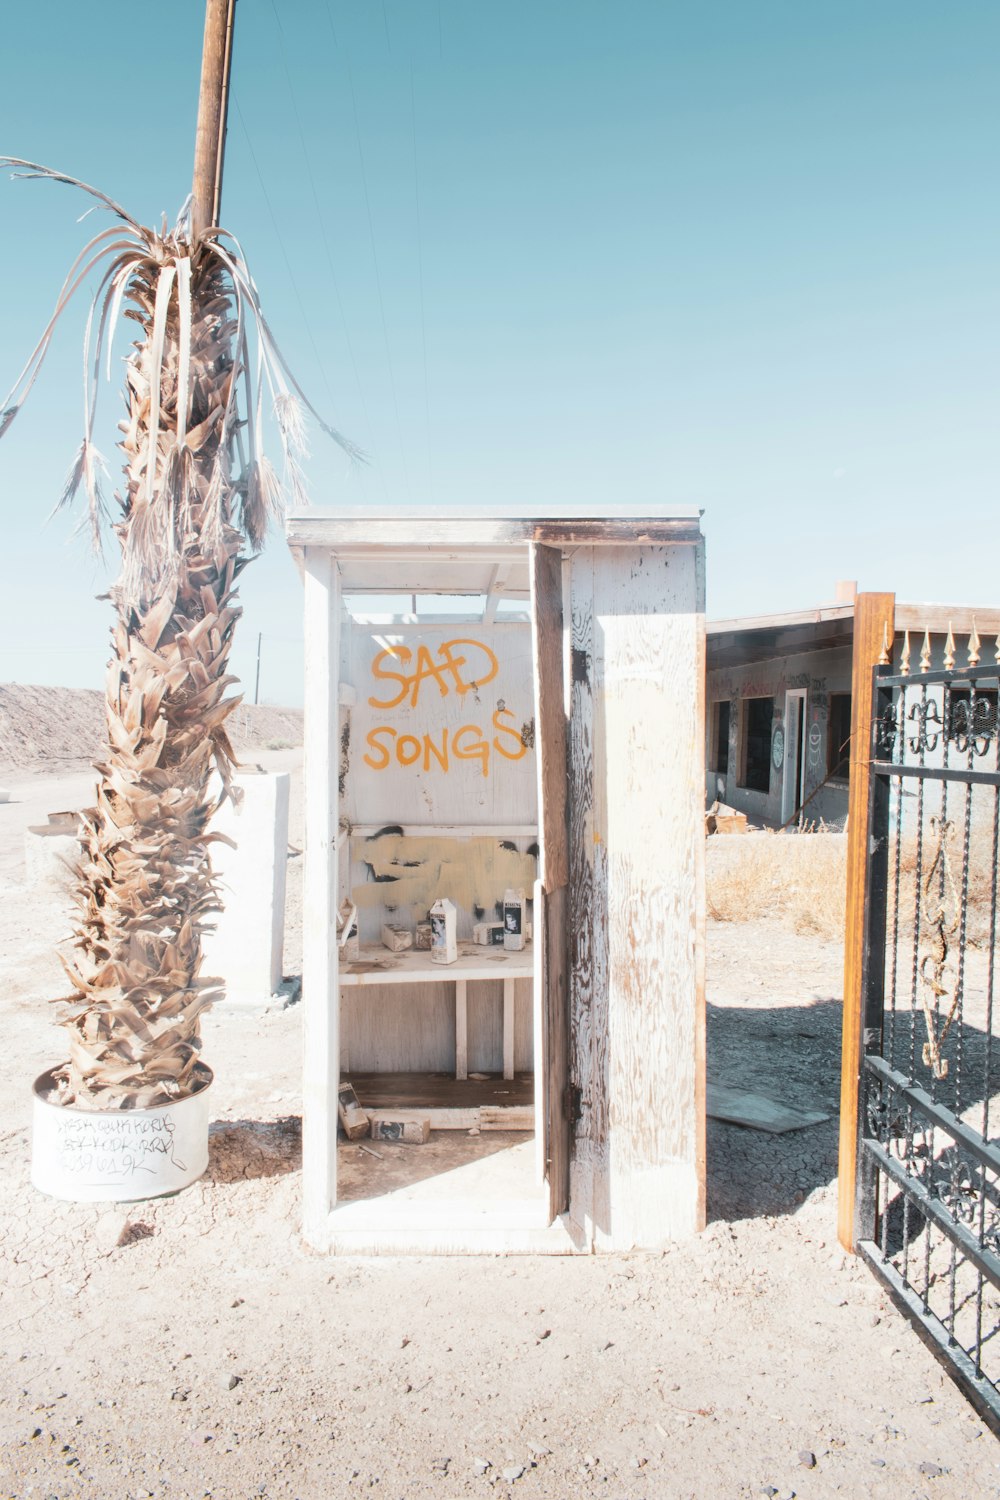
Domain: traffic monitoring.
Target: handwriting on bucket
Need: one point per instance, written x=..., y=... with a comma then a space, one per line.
x=116, y=1147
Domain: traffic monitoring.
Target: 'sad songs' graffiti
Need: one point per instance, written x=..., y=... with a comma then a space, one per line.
x=456, y=668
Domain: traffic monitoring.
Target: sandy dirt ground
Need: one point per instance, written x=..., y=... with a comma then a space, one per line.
x=194, y=1347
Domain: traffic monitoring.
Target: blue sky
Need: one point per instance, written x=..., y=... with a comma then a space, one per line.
x=743, y=256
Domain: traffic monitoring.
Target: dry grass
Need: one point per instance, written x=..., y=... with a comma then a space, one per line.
x=975, y=883
x=798, y=878
x=801, y=879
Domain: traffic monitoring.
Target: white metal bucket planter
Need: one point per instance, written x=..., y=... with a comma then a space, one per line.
x=89, y=1156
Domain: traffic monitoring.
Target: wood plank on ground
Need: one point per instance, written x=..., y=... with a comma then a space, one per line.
x=757, y=1111
x=424, y=1091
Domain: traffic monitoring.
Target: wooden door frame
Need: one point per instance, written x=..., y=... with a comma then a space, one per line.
x=874, y=625
x=788, y=811
x=551, y=907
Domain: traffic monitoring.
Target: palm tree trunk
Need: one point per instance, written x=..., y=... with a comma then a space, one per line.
x=146, y=888
x=195, y=507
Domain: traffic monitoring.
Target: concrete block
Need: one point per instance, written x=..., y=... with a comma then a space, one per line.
x=50, y=852
x=412, y=1129
x=246, y=949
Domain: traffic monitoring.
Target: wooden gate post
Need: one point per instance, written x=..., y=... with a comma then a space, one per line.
x=873, y=630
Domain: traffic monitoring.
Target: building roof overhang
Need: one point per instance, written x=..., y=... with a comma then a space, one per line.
x=756, y=638
x=737, y=643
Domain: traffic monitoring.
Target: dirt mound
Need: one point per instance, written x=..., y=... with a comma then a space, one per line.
x=62, y=727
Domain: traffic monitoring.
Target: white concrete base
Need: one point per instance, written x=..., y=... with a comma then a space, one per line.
x=245, y=951
x=487, y=1206
x=118, y=1156
x=472, y=1229
x=50, y=852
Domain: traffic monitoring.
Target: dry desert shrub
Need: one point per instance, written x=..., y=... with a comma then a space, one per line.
x=797, y=878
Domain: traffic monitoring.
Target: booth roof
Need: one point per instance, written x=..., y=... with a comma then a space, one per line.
x=468, y=550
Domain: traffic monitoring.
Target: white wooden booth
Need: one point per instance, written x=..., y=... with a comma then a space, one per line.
x=492, y=702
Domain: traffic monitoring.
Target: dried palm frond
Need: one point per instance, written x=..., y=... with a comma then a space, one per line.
x=193, y=509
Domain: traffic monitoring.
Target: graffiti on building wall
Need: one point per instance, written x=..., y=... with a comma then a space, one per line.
x=814, y=753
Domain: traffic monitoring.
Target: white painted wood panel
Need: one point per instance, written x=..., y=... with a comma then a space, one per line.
x=588, y=906
x=397, y=878
x=411, y=1028
x=636, y=739
x=650, y=631
x=455, y=820
x=442, y=729
x=321, y=1043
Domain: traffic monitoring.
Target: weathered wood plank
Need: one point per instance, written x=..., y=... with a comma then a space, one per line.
x=461, y=1028
x=550, y=713
x=426, y=1091
x=508, y=1028
x=645, y=1108
x=320, y=989
x=452, y=830
x=551, y=911
x=940, y=618
x=873, y=623
x=538, y=1022
x=507, y=1119
x=411, y=1026
x=459, y=535
x=556, y=1017
x=588, y=920
x=757, y=1111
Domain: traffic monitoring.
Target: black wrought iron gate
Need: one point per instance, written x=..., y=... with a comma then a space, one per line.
x=927, y=1211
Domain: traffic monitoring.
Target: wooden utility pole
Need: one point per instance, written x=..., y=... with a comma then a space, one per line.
x=213, y=101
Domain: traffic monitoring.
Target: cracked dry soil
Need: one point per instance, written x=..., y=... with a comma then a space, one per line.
x=193, y=1347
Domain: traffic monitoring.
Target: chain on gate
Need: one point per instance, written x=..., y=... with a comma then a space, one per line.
x=928, y=1185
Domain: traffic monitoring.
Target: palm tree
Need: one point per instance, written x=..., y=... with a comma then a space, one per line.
x=197, y=499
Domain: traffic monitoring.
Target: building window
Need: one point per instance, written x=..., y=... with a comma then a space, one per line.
x=966, y=718
x=719, y=742
x=838, y=736
x=758, y=714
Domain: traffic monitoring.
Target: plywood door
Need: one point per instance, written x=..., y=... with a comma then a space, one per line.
x=636, y=890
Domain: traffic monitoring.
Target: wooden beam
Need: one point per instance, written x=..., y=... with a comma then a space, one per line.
x=551, y=913
x=550, y=726
x=939, y=618
x=462, y=1028
x=320, y=980
x=495, y=591
x=873, y=625
x=368, y=534
x=508, y=1028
